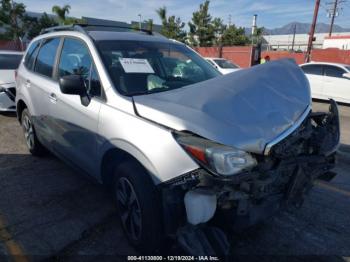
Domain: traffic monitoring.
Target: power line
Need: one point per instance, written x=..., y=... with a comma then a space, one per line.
x=334, y=11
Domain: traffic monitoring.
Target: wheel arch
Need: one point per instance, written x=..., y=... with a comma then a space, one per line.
x=21, y=105
x=114, y=156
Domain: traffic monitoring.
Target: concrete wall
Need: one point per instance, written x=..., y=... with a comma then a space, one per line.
x=341, y=43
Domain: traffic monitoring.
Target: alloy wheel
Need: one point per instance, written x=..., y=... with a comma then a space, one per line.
x=28, y=131
x=129, y=208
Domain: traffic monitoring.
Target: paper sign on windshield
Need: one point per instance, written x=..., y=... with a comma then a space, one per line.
x=133, y=65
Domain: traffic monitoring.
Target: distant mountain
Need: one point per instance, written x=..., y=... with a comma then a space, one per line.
x=301, y=28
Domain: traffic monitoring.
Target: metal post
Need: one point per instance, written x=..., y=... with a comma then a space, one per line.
x=140, y=23
x=312, y=31
x=253, y=35
x=333, y=17
x=294, y=31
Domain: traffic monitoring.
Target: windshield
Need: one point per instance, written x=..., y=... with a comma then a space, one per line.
x=225, y=64
x=9, y=61
x=138, y=67
x=348, y=68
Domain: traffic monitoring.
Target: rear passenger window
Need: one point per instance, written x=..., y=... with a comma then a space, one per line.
x=31, y=54
x=312, y=69
x=333, y=71
x=46, y=57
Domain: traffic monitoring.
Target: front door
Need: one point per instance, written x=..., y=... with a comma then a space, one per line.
x=76, y=122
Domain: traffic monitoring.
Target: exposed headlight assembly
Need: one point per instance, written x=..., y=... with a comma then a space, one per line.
x=220, y=159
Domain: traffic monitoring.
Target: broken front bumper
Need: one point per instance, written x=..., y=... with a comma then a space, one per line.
x=281, y=179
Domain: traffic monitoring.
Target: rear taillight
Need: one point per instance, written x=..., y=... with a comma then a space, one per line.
x=16, y=74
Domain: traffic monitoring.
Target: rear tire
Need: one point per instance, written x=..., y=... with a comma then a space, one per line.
x=33, y=144
x=139, y=206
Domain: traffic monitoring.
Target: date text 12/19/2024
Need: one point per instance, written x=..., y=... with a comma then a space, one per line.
x=173, y=258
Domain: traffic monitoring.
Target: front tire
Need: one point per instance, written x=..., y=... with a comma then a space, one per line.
x=33, y=144
x=139, y=206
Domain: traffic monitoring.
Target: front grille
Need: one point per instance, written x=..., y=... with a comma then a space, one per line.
x=295, y=144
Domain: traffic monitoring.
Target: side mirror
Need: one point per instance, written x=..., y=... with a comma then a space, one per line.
x=72, y=85
x=346, y=75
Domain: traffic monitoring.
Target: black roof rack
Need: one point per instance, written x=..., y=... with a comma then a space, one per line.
x=84, y=28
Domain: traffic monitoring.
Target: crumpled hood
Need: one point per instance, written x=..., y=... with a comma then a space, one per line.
x=246, y=110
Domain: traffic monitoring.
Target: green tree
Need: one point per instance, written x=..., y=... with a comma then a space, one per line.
x=202, y=31
x=234, y=36
x=11, y=17
x=61, y=13
x=172, y=26
x=257, y=37
x=35, y=26
x=219, y=28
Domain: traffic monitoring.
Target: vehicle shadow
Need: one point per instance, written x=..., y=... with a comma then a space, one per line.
x=50, y=209
x=8, y=114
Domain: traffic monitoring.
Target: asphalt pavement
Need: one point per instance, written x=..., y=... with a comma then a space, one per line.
x=49, y=211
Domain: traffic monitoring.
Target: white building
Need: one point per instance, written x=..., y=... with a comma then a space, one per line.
x=285, y=42
x=341, y=42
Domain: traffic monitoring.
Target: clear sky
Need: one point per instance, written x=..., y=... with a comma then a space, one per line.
x=271, y=13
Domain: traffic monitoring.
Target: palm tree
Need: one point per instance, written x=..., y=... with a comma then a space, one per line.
x=162, y=13
x=11, y=16
x=61, y=12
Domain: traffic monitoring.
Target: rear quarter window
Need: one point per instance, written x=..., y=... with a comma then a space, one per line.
x=333, y=71
x=31, y=55
x=9, y=61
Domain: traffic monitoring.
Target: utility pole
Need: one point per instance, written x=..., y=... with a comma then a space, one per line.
x=312, y=31
x=140, y=22
x=294, y=32
x=333, y=17
x=252, y=50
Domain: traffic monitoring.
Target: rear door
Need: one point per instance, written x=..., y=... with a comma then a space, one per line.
x=39, y=84
x=75, y=122
x=314, y=73
x=335, y=85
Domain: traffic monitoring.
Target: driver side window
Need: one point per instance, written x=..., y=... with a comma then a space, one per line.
x=76, y=60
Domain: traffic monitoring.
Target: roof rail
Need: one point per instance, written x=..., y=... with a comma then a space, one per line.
x=83, y=28
x=72, y=27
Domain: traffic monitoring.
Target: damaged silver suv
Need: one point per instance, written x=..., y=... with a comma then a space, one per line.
x=184, y=149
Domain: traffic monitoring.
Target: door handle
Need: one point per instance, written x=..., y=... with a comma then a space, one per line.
x=27, y=83
x=53, y=97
